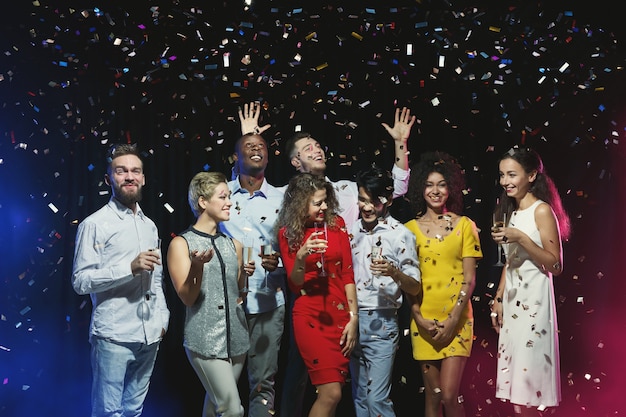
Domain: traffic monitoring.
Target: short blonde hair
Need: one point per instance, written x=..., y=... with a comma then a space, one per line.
x=203, y=184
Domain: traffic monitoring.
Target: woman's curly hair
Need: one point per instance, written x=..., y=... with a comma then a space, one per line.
x=451, y=171
x=294, y=211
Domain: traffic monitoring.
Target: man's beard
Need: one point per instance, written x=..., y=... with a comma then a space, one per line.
x=126, y=198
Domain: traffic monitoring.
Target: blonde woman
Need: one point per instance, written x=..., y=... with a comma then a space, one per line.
x=208, y=272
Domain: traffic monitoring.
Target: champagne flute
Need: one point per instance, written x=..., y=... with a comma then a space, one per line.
x=376, y=253
x=157, y=250
x=248, y=243
x=266, y=250
x=496, y=226
x=322, y=227
x=143, y=309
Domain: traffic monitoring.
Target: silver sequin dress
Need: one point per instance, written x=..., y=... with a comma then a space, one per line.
x=215, y=326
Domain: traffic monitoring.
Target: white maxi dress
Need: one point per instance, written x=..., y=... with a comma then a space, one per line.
x=528, y=370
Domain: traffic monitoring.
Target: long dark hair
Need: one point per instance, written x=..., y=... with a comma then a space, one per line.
x=451, y=171
x=543, y=188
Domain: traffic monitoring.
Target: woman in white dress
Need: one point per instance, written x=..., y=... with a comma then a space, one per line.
x=523, y=311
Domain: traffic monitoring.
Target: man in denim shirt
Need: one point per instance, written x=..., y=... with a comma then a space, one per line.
x=117, y=261
x=255, y=206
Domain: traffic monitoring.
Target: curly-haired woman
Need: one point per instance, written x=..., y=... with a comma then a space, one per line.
x=316, y=253
x=448, y=249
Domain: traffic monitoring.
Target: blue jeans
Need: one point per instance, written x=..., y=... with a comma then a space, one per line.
x=266, y=331
x=371, y=363
x=121, y=376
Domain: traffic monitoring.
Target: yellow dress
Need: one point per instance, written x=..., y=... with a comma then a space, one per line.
x=441, y=266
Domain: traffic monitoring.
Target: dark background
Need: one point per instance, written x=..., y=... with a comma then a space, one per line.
x=78, y=76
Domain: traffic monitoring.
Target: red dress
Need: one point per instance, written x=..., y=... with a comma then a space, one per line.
x=321, y=312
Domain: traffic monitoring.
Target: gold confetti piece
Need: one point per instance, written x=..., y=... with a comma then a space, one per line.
x=357, y=36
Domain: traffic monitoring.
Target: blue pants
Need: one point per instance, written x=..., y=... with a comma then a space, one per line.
x=371, y=363
x=121, y=376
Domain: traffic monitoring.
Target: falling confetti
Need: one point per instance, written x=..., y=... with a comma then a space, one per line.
x=170, y=77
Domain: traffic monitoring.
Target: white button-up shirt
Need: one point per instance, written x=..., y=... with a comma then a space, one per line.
x=398, y=246
x=126, y=308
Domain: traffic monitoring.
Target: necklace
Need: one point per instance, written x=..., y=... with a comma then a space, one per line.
x=443, y=221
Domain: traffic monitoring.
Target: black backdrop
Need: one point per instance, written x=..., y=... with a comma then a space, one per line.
x=77, y=76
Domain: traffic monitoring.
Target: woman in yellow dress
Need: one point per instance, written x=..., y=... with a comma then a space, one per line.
x=448, y=249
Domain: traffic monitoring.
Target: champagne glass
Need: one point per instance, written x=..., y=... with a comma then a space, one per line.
x=266, y=250
x=496, y=226
x=157, y=250
x=376, y=253
x=248, y=243
x=322, y=227
x=143, y=309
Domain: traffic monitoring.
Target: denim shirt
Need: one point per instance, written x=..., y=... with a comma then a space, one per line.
x=125, y=307
x=254, y=216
